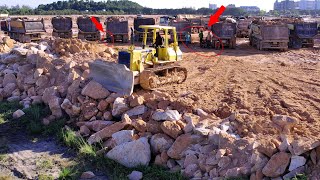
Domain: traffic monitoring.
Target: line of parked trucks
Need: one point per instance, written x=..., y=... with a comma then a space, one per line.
x=263, y=34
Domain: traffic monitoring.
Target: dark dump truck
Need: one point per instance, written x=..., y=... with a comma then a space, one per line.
x=226, y=33
x=4, y=26
x=62, y=27
x=269, y=35
x=87, y=29
x=26, y=30
x=243, y=27
x=117, y=30
x=138, y=31
x=182, y=27
x=302, y=34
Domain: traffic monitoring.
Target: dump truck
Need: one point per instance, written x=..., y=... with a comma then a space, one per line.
x=151, y=67
x=226, y=33
x=302, y=34
x=117, y=30
x=4, y=26
x=26, y=30
x=243, y=27
x=87, y=29
x=269, y=35
x=182, y=28
x=62, y=27
x=138, y=31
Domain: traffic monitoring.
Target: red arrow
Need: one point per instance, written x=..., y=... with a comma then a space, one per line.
x=97, y=23
x=215, y=18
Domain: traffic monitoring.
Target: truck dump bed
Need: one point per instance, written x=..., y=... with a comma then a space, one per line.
x=304, y=30
x=117, y=27
x=181, y=26
x=224, y=30
x=270, y=32
x=27, y=26
x=142, y=21
x=63, y=24
x=86, y=25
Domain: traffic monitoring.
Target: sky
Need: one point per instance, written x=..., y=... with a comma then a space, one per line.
x=263, y=4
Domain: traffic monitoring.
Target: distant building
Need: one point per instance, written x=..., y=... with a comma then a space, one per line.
x=231, y=6
x=213, y=6
x=284, y=5
x=252, y=9
x=307, y=4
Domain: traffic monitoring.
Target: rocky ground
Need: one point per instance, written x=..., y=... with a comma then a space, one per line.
x=246, y=113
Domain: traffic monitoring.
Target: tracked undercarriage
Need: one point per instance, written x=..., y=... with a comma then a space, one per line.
x=153, y=78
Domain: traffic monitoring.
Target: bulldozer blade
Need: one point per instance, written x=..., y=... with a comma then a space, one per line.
x=112, y=76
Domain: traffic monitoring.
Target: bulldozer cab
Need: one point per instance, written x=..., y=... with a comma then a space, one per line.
x=167, y=30
x=169, y=50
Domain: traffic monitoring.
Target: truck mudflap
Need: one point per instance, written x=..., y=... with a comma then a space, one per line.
x=112, y=76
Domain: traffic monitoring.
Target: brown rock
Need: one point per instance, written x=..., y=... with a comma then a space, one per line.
x=180, y=145
x=95, y=91
x=99, y=125
x=8, y=89
x=106, y=132
x=171, y=128
x=285, y=123
x=154, y=127
x=140, y=125
x=302, y=145
x=277, y=165
x=137, y=101
x=190, y=159
x=224, y=162
x=87, y=175
x=9, y=78
x=160, y=143
x=102, y=106
x=107, y=116
x=54, y=105
x=164, y=104
x=84, y=130
x=267, y=147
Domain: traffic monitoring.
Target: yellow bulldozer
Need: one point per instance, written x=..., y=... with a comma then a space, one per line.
x=152, y=66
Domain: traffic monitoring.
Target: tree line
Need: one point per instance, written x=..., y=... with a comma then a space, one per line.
x=119, y=7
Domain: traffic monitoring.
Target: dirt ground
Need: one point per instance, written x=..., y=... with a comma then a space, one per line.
x=261, y=83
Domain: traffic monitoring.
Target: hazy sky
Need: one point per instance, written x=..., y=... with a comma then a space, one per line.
x=263, y=4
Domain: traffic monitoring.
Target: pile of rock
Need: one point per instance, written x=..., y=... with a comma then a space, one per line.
x=68, y=47
x=151, y=127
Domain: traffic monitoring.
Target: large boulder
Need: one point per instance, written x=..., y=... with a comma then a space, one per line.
x=8, y=89
x=160, y=143
x=95, y=90
x=277, y=165
x=302, y=145
x=123, y=136
x=132, y=154
x=167, y=115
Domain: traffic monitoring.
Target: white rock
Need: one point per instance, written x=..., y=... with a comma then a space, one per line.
x=123, y=136
x=135, y=175
x=132, y=154
x=202, y=131
x=138, y=110
x=119, y=107
x=201, y=112
x=17, y=114
x=296, y=161
x=167, y=115
x=160, y=143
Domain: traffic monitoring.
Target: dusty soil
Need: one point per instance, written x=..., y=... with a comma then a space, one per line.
x=262, y=83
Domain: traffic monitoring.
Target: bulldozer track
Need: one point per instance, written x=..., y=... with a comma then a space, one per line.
x=158, y=77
